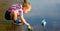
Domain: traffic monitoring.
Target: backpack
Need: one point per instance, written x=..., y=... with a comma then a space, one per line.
x=7, y=15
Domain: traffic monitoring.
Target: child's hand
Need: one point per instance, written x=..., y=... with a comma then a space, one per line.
x=27, y=24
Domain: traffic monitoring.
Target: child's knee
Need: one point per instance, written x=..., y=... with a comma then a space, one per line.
x=14, y=15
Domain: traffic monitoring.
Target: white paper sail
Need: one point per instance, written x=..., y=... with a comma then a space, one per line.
x=43, y=22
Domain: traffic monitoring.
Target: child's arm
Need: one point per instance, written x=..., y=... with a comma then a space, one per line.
x=24, y=21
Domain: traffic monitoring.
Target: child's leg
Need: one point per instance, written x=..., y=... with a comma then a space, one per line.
x=14, y=16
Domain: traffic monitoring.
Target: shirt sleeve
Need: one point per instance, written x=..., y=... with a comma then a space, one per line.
x=21, y=12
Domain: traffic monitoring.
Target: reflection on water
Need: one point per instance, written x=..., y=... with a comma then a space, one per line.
x=4, y=26
x=17, y=27
x=12, y=27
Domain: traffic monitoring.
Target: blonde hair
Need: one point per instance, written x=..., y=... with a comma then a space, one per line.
x=27, y=6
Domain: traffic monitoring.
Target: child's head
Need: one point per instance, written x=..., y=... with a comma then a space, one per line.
x=26, y=8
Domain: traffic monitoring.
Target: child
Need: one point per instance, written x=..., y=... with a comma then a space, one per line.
x=17, y=10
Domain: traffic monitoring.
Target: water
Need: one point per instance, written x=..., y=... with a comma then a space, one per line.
x=41, y=9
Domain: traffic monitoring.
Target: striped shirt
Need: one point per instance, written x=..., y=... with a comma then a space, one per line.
x=15, y=7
